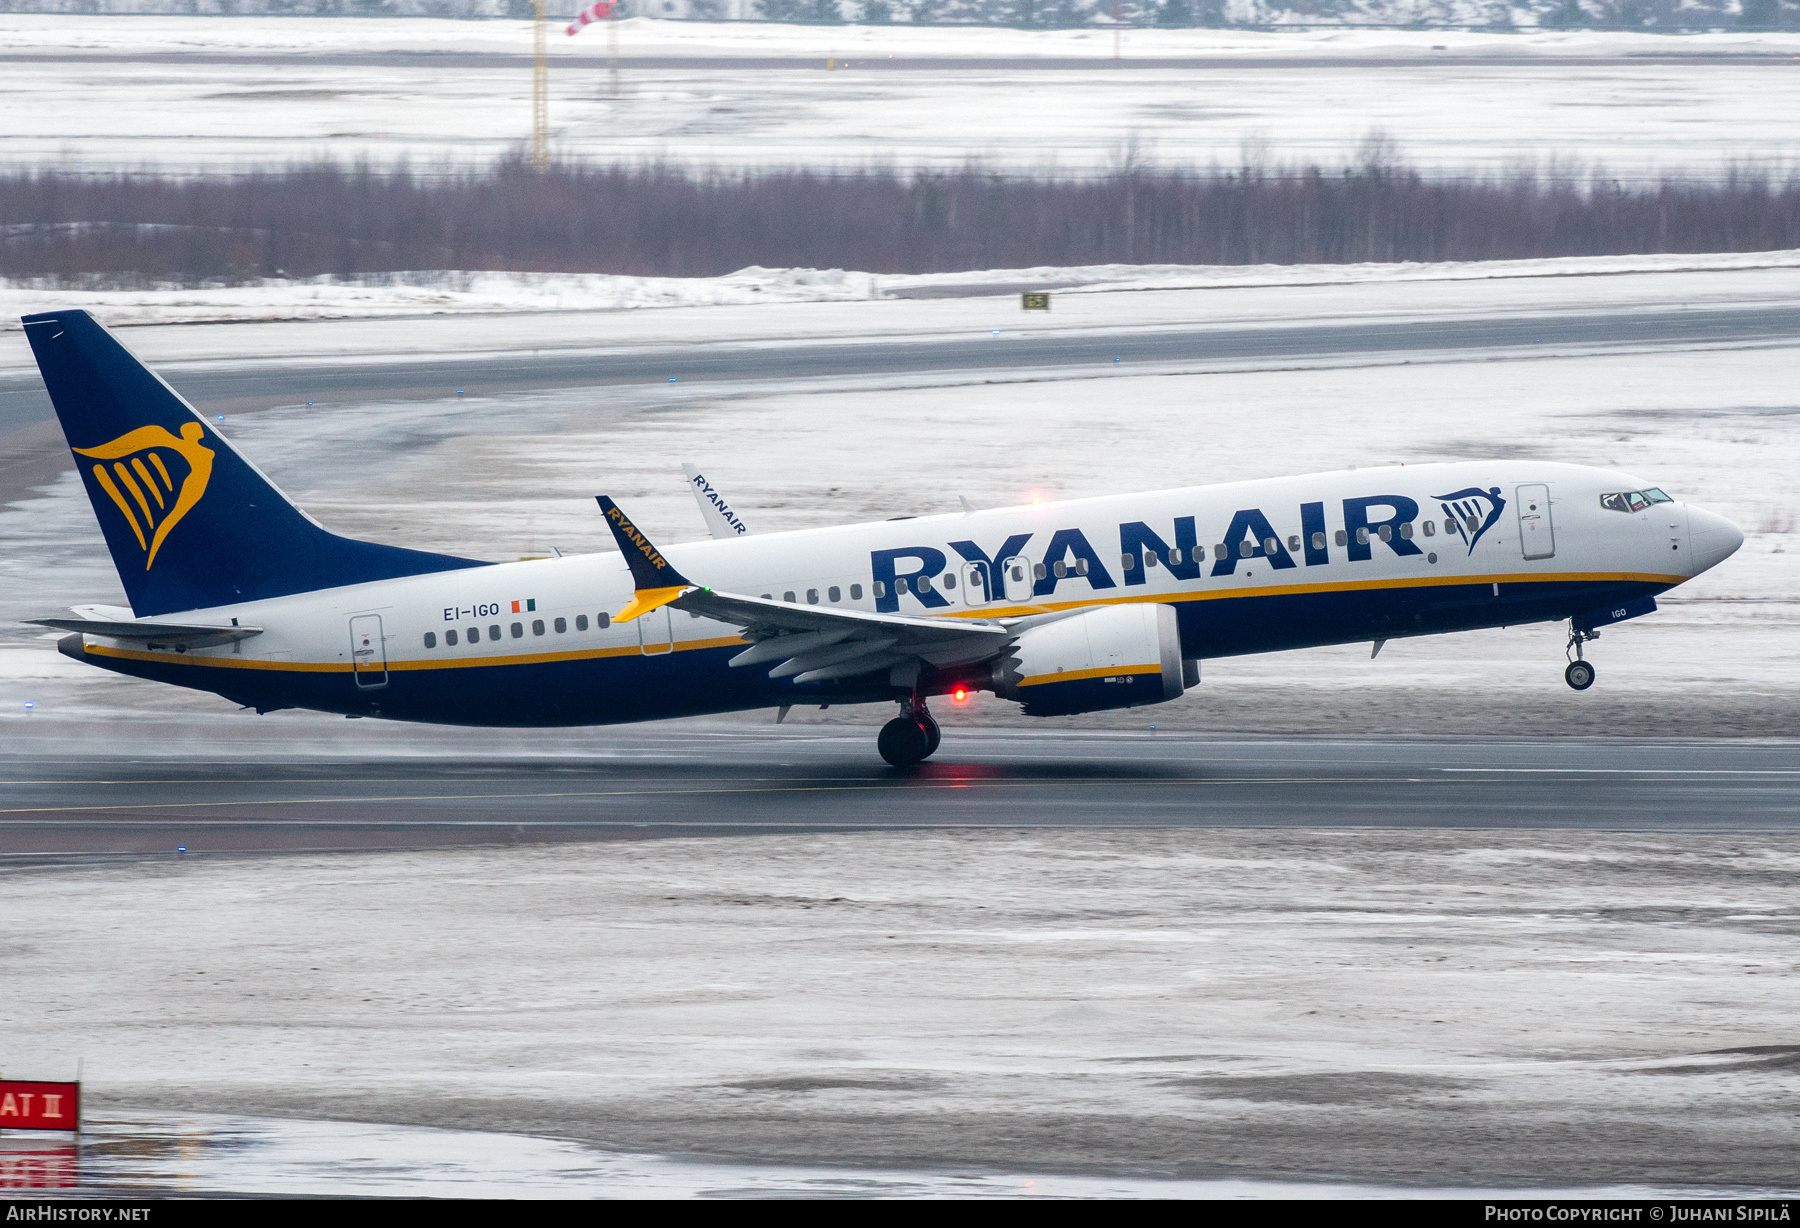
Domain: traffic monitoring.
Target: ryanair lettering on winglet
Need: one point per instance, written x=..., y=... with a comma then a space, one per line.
x=724, y=509
x=1391, y=521
x=637, y=539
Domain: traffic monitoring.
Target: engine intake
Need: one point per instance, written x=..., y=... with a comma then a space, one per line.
x=1121, y=656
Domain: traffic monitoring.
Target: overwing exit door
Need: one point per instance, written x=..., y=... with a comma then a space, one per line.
x=655, y=633
x=1018, y=578
x=368, y=655
x=1537, y=535
x=975, y=583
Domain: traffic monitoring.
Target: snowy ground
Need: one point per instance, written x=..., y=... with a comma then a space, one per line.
x=277, y=96
x=505, y=476
x=1437, y=1008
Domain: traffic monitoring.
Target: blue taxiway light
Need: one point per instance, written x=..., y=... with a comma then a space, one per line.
x=29, y=704
x=671, y=379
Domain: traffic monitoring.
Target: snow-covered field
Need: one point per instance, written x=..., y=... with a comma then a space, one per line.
x=1572, y=282
x=1435, y=1008
x=278, y=97
x=507, y=475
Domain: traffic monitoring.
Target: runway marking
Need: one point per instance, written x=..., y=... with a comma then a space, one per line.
x=1631, y=771
x=870, y=786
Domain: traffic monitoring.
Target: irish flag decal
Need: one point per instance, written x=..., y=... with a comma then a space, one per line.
x=530, y=604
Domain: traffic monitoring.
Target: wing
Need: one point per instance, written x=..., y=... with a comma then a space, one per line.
x=809, y=644
x=805, y=643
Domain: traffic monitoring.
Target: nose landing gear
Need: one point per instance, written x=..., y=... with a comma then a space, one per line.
x=1580, y=674
x=911, y=737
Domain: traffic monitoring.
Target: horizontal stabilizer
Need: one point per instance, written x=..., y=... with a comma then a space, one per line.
x=182, y=635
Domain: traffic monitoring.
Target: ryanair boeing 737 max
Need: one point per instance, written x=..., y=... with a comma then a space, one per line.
x=1062, y=607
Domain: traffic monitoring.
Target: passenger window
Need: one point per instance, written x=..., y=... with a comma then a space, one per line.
x=834, y=593
x=900, y=585
x=1362, y=537
x=1149, y=558
x=1387, y=532
x=450, y=639
x=493, y=633
x=949, y=579
x=537, y=627
x=561, y=625
x=788, y=596
x=1246, y=548
x=1018, y=573
x=602, y=621
x=1060, y=569
x=812, y=596
x=880, y=588
x=1294, y=542
x=1128, y=561
x=431, y=639
x=1039, y=572
x=518, y=632
x=1341, y=539
x=1430, y=527
x=922, y=584
x=580, y=622
x=1272, y=546
x=1319, y=539
x=1406, y=531
x=1175, y=556
x=474, y=635
x=856, y=592
x=1449, y=525
x=1221, y=551
x=1199, y=556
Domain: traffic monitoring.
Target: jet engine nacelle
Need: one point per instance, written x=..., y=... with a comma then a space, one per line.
x=1120, y=656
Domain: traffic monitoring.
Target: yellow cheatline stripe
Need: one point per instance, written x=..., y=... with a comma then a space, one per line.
x=329, y=667
x=1296, y=590
x=646, y=600
x=1082, y=675
x=1608, y=577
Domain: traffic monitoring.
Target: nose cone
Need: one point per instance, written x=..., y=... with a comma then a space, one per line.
x=1714, y=539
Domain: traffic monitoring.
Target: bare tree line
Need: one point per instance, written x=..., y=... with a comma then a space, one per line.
x=657, y=220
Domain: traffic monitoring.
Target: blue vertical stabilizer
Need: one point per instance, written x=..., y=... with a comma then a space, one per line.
x=190, y=523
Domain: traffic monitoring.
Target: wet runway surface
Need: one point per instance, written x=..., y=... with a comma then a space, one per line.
x=23, y=402
x=648, y=782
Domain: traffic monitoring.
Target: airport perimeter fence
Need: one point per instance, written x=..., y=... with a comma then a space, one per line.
x=129, y=230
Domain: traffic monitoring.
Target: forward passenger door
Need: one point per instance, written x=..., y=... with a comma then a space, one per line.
x=1537, y=535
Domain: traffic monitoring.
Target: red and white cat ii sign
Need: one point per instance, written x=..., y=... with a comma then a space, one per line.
x=39, y=1106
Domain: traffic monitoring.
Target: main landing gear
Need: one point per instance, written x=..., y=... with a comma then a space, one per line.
x=911, y=737
x=1580, y=674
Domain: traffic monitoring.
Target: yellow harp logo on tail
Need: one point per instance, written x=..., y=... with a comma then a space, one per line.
x=141, y=476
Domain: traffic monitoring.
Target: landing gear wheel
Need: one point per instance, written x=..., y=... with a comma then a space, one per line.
x=932, y=732
x=905, y=741
x=1579, y=675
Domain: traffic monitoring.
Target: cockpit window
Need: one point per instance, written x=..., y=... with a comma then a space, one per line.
x=1633, y=500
